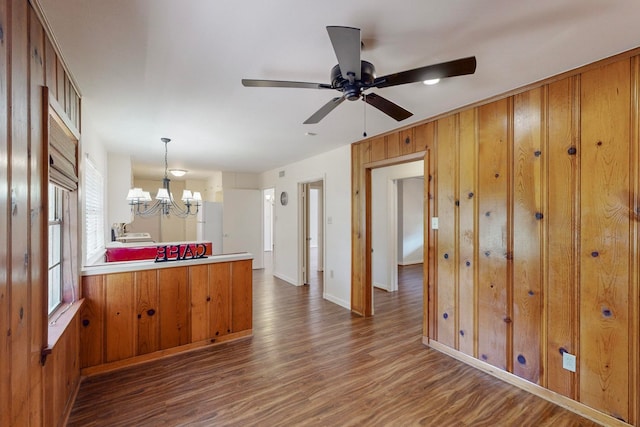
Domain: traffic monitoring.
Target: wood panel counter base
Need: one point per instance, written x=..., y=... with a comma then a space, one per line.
x=137, y=360
x=556, y=398
x=135, y=315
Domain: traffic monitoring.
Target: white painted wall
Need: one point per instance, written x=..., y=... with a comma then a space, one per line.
x=383, y=207
x=335, y=168
x=118, y=182
x=411, y=216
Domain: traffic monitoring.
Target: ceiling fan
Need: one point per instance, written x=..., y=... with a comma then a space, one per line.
x=353, y=76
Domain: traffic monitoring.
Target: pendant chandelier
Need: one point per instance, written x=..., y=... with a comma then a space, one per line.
x=140, y=200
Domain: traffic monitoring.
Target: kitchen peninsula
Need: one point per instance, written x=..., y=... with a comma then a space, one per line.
x=135, y=311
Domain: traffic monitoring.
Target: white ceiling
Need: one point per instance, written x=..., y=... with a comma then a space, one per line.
x=153, y=68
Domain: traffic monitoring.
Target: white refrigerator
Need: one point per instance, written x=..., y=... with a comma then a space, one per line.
x=209, y=227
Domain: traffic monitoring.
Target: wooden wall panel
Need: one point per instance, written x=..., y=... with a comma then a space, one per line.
x=493, y=312
x=467, y=255
x=50, y=66
x=548, y=255
x=407, y=141
x=241, y=296
x=357, y=238
x=528, y=217
x=5, y=202
x=147, y=303
x=378, y=149
x=562, y=181
x=445, y=210
x=220, y=293
x=604, y=243
x=174, y=306
x=120, y=325
x=38, y=234
x=21, y=313
x=394, y=148
x=92, y=321
x=200, y=302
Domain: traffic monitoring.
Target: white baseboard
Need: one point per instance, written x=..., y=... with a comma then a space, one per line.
x=286, y=279
x=338, y=301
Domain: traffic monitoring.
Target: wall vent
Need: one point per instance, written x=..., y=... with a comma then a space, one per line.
x=281, y=174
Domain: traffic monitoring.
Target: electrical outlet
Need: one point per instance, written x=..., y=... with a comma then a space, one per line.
x=569, y=361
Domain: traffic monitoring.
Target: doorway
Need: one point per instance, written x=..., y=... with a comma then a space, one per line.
x=397, y=219
x=312, y=233
x=268, y=199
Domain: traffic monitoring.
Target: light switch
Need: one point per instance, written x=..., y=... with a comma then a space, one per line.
x=434, y=223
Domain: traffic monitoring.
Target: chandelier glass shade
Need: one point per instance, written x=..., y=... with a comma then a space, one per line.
x=143, y=205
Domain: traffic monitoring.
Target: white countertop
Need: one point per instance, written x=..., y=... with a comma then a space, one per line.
x=128, y=266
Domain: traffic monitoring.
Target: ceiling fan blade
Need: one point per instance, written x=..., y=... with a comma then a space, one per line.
x=283, y=83
x=324, y=110
x=389, y=108
x=346, y=44
x=453, y=68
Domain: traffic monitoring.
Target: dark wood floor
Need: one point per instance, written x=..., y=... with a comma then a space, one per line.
x=312, y=363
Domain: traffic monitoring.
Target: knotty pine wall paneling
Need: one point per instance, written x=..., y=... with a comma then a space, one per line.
x=119, y=315
x=605, y=239
x=467, y=213
x=27, y=390
x=241, y=296
x=5, y=203
x=528, y=220
x=21, y=313
x=147, y=301
x=174, y=307
x=545, y=236
x=92, y=329
x=220, y=294
x=561, y=172
x=493, y=237
x=200, y=302
x=446, y=242
x=38, y=233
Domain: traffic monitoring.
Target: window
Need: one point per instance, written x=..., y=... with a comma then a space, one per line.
x=55, y=247
x=94, y=213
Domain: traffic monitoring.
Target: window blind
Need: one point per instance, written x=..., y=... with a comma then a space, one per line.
x=94, y=211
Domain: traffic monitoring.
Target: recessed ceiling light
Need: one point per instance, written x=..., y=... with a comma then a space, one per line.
x=177, y=172
x=431, y=82
x=310, y=133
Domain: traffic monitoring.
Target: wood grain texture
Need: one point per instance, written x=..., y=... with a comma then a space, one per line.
x=446, y=211
x=220, y=294
x=313, y=363
x=119, y=317
x=378, y=149
x=407, y=141
x=467, y=258
x=146, y=305
x=604, y=260
x=241, y=296
x=20, y=313
x=5, y=284
x=174, y=306
x=200, y=301
x=38, y=233
x=562, y=172
x=528, y=217
x=493, y=312
x=92, y=335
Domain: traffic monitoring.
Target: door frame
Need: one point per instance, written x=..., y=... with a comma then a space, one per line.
x=304, y=242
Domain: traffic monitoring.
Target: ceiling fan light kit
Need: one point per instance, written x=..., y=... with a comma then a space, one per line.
x=353, y=76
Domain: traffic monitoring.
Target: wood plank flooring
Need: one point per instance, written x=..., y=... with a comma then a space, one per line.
x=312, y=363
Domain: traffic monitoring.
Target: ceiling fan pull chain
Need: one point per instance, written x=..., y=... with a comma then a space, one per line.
x=364, y=98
